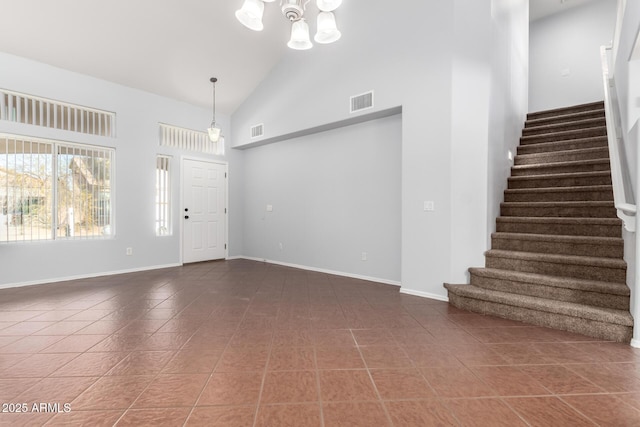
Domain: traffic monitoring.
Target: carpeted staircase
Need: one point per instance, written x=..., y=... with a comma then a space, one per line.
x=556, y=257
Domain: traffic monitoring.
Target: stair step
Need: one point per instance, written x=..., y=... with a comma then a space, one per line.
x=559, y=209
x=597, y=322
x=591, y=106
x=563, y=118
x=597, y=227
x=565, y=126
x=579, y=267
x=606, y=247
x=562, y=167
x=556, y=258
x=578, y=291
x=564, y=135
x=579, y=179
x=571, y=144
x=563, y=156
x=560, y=194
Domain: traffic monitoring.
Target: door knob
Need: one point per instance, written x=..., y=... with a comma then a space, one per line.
x=186, y=209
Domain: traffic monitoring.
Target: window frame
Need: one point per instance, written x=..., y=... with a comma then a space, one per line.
x=163, y=203
x=104, y=190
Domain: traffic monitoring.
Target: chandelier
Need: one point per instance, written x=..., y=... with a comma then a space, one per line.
x=250, y=15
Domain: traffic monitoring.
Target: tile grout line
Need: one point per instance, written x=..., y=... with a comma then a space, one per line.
x=206, y=383
x=375, y=387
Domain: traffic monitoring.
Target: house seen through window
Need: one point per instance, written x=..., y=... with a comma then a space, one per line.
x=54, y=190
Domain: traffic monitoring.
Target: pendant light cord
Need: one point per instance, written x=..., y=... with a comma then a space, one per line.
x=214, y=80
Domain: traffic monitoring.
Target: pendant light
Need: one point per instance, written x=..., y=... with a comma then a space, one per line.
x=215, y=133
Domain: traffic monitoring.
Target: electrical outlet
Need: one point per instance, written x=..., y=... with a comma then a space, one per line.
x=280, y=245
x=429, y=205
x=129, y=251
x=364, y=256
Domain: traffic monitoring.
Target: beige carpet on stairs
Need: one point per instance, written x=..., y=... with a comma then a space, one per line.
x=556, y=256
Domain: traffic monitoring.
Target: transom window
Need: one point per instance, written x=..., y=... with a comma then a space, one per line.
x=37, y=111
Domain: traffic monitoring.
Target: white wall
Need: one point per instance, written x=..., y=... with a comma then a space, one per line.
x=421, y=56
x=136, y=144
x=509, y=95
x=426, y=57
x=627, y=80
x=470, y=94
x=627, y=71
x=491, y=62
x=334, y=196
x=569, y=42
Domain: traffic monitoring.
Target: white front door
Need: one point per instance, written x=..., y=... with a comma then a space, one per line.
x=204, y=209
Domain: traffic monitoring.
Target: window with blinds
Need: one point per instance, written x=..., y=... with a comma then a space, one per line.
x=54, y=190
x=33, y=110
x=163, y=196
x=189, y=139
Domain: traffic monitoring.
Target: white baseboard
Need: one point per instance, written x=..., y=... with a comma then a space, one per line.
x=322, y=270
x=635, y=342
x=157, y=267
x=85, y=276
x=424, y=294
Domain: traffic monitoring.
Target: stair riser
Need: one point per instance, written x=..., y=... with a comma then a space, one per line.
x=558, y=211
x=554, y=169
x=560, y=229
x=571, y=156
x=580, y=271
x=590, y=328
x=559, y=248
x=559, y=196
x=563, y=136
x=551, y=147
x=597, y=299
x=557, y=119
x=559, y=182
x=560, y=186
x=565, y=111
x=562, y=127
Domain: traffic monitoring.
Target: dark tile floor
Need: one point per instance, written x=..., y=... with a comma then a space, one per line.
x=241, y=343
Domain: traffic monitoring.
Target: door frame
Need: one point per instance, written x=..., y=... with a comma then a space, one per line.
x=226, y=201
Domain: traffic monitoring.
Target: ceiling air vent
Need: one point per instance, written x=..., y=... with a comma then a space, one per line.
x=257, y=130
x=361, y=102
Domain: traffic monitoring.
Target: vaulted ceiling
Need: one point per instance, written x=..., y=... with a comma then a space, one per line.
x=167, y=47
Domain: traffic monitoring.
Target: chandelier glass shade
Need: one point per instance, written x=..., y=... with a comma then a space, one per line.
x=300, y=36
x=327, y=29
x=250, y=15
x=251, y=12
